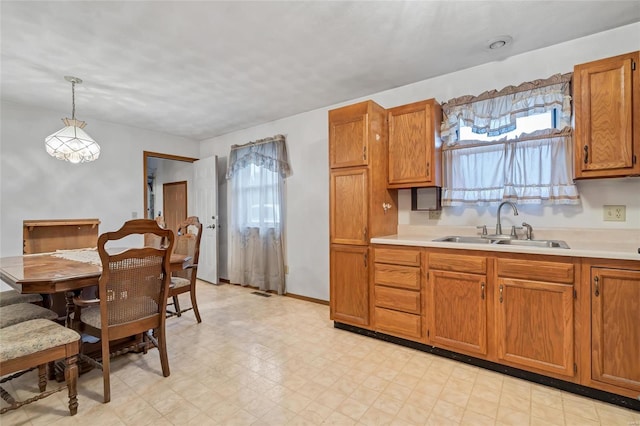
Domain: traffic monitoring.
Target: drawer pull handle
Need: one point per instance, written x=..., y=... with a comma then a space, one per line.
x=596, y=281
x=366, y=256
x=482, y=290
x=501, y=288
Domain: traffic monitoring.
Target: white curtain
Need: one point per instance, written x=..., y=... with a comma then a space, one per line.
x=533, y=168
x=257, y=171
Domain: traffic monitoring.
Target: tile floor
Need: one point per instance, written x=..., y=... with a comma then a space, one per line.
x=279, y=361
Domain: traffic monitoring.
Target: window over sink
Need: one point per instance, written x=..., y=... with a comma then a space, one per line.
x=510, y=145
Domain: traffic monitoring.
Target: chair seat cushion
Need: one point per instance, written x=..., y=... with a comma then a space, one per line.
x=20, y=312
x=133, y=309
x=33, y=336
x=11, y=297
x=177, y=282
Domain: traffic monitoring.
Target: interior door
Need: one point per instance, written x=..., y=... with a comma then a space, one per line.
x=205, y=193
x=174, y=204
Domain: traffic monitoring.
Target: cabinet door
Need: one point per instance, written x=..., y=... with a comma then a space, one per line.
x=458, y=311
x=413, y=131
x=615, y=327
x=349, y=207
x=350, y=284
x=348, y=142
x=535, y=325
x=605, y=115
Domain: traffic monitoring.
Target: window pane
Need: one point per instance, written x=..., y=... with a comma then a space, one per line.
x=523, y=125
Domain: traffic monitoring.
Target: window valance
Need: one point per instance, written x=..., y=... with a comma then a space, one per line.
x=495, y=112
x=270, y=153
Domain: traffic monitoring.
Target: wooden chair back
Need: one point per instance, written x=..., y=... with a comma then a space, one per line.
x=188, y=244
x=134, y=284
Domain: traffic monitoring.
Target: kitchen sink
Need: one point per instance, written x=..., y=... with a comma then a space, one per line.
x=464, y=239
x=512, y=242
x=535, y=243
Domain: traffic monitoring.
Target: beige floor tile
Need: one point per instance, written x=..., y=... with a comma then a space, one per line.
x=472, y=418
x=415, y=414
x=447, y=410
x=279, y=361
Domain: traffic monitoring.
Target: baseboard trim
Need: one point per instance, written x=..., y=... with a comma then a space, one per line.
x=307, y=299
x=611, y=398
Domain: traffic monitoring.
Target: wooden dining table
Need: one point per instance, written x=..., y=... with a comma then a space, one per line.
x=48, y=273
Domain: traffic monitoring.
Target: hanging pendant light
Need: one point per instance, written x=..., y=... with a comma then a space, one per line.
x=72, y=143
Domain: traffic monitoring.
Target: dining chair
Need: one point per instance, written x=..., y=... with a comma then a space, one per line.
x=32, y=344
x=132, y=296
x=11, y=297
x=21, y=312
x=188, y=244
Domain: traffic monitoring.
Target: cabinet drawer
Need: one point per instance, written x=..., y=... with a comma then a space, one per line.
x=458, y=263
x=398, y=299
x=398, y=323
x=397, y=276
x=398, y=256
x=536, y=270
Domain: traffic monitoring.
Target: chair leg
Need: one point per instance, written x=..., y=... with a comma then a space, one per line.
x=162, y=348
x=71, y=377
x=176, y=306
x=42, y=377
x=194, y=303
x=105, y=369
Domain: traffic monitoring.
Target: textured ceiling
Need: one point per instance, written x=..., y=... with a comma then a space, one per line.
x=202, y=69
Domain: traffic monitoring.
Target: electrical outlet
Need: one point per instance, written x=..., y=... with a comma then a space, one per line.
x=614, y=213
x=286, y=269
x=434, y=214
x=134, y=215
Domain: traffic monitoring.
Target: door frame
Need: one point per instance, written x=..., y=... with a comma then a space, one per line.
x=145, y=157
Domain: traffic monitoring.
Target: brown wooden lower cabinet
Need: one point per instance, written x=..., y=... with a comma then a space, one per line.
x=535, y=325
x=615, y=327
x=458, y=311
x=573, y=319
x=349, y=284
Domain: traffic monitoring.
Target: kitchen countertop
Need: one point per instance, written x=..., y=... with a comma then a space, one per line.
x=596, y=243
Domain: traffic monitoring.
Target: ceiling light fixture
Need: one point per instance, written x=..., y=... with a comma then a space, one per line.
x=499, y=42
x=71, y=143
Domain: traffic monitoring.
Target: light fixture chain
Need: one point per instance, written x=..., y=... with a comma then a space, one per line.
x=73, y=100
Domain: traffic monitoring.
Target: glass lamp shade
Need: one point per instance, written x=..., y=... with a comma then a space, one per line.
x=72, y=144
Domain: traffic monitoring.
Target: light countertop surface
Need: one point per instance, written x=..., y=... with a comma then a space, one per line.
x=595, y=243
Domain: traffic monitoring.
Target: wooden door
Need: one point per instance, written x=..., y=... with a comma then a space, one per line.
x=413, y=133
x=349, y=284
x=535, y=325
x=458, y=311
x=174, y=204
x=615, y=327
x=349, y=207
x=606, y=116
x=348, y=141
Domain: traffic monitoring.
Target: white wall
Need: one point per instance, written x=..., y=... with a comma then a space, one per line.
x=308, y=188
x=34, y=185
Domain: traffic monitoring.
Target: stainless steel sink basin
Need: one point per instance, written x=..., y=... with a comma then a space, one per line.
x=535, y=243
x=464, y=239
x=526, y=243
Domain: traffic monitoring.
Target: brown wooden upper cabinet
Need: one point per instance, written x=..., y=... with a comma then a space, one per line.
x=414, y=145
x=607, y=117
x=350, y=129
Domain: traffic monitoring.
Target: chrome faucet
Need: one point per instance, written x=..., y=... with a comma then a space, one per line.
x=515, y=213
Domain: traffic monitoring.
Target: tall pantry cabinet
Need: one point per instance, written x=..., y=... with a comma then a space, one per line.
x=360, y=206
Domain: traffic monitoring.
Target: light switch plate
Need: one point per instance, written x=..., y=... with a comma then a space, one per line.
x=614, y=213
